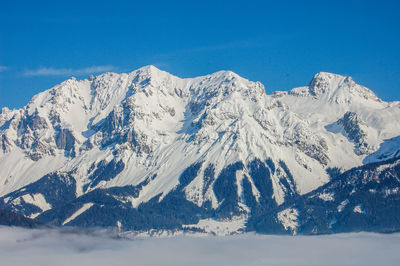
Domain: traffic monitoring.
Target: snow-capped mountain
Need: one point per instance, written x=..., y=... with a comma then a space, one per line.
x=148, y=150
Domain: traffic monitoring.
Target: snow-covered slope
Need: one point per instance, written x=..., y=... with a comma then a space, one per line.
x=219, y=139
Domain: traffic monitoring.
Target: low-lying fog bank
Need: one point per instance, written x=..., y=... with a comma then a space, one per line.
x=52, y=247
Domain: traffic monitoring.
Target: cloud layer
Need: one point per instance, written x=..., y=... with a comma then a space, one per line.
x=52, y=247
x=49, y=71
x=3, y=68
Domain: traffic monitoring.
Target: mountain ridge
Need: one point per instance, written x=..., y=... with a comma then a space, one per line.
x=163, y=138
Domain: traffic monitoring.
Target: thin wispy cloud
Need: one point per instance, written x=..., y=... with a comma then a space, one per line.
x=50, y=71
x=3, y=68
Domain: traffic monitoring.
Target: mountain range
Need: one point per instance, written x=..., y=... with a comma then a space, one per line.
x=217, y=154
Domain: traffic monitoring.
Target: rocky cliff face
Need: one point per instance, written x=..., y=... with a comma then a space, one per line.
x=124, y=149
x=352, y=126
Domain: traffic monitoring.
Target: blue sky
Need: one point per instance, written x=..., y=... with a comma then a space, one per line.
x=280, y=43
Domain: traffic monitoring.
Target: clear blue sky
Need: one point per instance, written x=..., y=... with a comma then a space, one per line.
x=280, y=43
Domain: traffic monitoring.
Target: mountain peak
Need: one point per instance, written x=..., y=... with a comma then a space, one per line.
x=322, y=82
x=327, y=75
x=151, y=71
x=335, y=88
x=148, y=69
